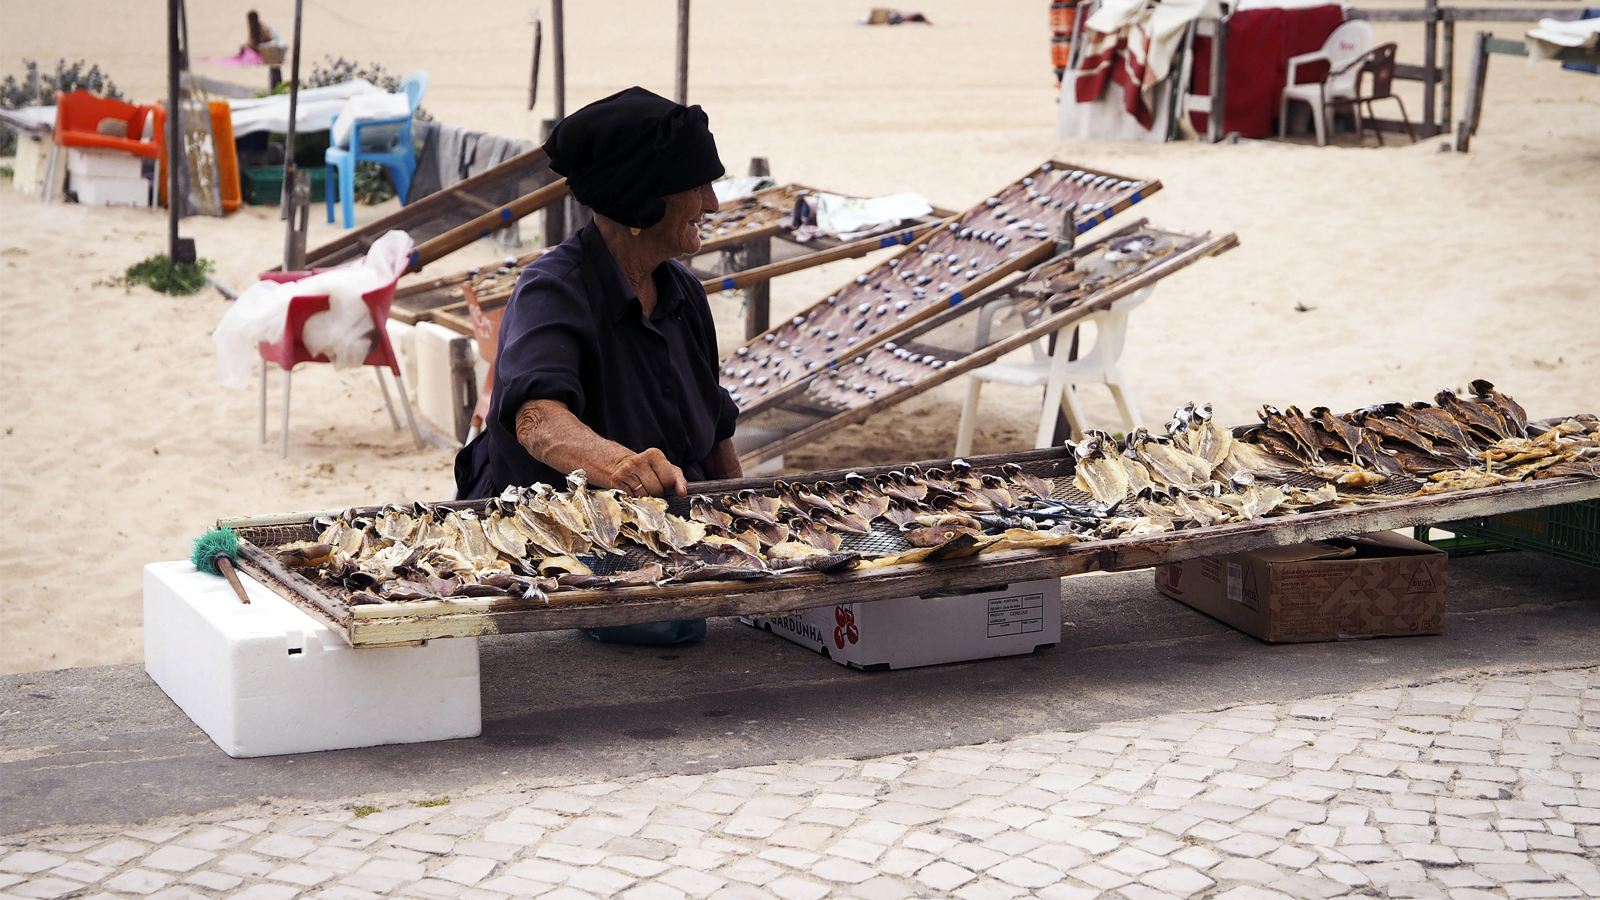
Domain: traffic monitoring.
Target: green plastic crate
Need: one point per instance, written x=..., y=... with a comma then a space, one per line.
x=263, y=186
x=1455, y=544
x=1570, y=531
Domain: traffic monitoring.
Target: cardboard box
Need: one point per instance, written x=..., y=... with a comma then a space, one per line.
x=924, y=631
x=1378, y=585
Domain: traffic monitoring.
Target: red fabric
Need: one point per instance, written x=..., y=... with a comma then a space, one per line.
x=1260, y=42
x=1113, y=57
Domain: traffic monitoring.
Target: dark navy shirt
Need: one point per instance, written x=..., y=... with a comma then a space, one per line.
x=575, y=332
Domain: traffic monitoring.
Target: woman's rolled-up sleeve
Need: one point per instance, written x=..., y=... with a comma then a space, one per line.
x=547, y=331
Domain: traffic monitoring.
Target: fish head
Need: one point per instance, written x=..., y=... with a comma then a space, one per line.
x=577, y=480
x=1203, y=413
x=1011, y=470
x=961, y=468
x=1481, y=388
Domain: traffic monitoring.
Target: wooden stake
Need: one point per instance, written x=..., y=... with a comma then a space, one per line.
x=225, y=566
x=533, y=79
x=559, y=60
x=681, y=94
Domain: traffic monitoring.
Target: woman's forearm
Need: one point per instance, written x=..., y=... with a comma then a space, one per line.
x=722, y=462
x=554, y=436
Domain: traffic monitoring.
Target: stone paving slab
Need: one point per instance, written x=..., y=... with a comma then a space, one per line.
x=1485, y=788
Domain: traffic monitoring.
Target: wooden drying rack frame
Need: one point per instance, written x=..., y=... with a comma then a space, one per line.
x=1040, y=252
x=1202, y=246
x=413, y=622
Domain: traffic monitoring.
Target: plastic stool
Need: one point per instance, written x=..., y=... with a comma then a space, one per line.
x=1059, y=375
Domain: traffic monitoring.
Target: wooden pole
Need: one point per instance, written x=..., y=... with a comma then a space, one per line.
x=286, y=207
x=1216, y=120
x=533, y=79
x=555, y=215
x=1430, y=75
x=1447, y=77
x=681, y=93
x=749, y=279
x=486, y=224
x=174, y=138
x=1477, y=77
x=757, y=253
x=559, y=60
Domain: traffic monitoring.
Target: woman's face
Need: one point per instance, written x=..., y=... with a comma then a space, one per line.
x=678, y=232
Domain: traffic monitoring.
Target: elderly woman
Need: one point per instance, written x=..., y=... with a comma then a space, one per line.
x=608, y=355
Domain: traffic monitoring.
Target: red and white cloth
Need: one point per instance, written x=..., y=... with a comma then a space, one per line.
x=1132, y=43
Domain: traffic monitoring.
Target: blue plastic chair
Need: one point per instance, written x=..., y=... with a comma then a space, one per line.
x=386, y=141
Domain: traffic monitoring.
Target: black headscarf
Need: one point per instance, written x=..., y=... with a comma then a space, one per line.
x=623, y=155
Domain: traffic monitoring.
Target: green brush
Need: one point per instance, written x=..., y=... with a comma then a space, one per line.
x=215, y=552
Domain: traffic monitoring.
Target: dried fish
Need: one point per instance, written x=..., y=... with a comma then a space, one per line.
x=1032, y=484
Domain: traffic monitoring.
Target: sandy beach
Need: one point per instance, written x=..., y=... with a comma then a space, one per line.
x=1419, y=270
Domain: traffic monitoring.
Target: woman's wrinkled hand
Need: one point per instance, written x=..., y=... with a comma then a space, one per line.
x=647, y=474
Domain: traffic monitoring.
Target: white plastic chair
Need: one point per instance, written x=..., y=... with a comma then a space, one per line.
x=1097, y=365
x=1345, y=47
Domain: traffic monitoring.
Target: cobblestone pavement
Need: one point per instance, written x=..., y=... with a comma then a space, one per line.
x=1486, y=788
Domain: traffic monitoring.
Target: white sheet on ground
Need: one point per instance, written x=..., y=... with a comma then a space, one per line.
x=739, y=188
x=314, y=110
x=343, y=332
x=1553, y=35
x=853, y=217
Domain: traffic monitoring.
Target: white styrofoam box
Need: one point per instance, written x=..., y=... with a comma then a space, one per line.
x=108, y=191
x=94, y=163
x=403, y=339
x=268, y=679
x=923, y=631
x=435, y=388
x=33, y=159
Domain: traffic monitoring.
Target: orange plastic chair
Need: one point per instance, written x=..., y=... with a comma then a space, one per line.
x=78, y=118
x=291, y=351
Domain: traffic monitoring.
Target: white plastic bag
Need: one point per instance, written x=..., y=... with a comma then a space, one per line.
x=344, y=332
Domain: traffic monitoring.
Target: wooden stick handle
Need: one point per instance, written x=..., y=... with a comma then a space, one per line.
x=225, y=566
x=843, y=251
x=484, y=225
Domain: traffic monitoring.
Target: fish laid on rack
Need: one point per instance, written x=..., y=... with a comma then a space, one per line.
x=968, y=254
x=531, y=542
